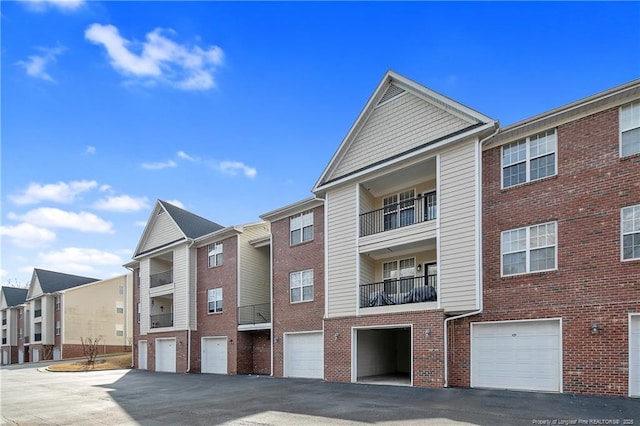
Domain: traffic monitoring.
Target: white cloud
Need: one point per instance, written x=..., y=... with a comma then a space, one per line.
x=159, y=165
x=158, y=58
x=122, y=203
x=176, y=203
x=61, y=192
x=90, y=150
x=36, y=65
x=104, y=188
x=49, y=217
x=232, y=168
x=43, y=5
x=141, y=223
x=27, y=235
x=185, y=156
x=78, y=260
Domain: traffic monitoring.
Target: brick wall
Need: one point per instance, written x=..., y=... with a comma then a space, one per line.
x=287, y=316
x=428, y=352
x=76, y=351
x=181, y=349
x=224, y=323
x=591, y=284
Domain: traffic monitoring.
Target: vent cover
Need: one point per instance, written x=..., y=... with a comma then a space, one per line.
x=391, y=92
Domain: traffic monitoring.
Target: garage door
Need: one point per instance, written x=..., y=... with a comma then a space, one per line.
x=166, y=355
x=634, y=355
x=519, y=355
x=5, y=357
x=142, y=354
x=214, y=355
x=20, y=356
x=36, y=355
x=57, y=355
x=304, y=355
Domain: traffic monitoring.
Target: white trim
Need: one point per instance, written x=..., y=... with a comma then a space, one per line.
x=271, y=334
x=284, y=349
x=226, y=342
x=313, y=285
x=527, y=160
x=560, y=349
x=622, y=259
x=155, y=351
x=632, y=371
x=379, y=104
x=292, y=209
x=478, y=168
x=357, y=244
x=326, y=257
x=438, y=259
x=528, y=249
x=632, y=104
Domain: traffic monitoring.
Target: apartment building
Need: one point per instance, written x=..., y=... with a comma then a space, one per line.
x=561, y=254
x=11, y=301
x=297, y=271
x=61, y=309
x=402, y=202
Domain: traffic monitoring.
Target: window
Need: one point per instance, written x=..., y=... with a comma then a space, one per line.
x=529, y=159
x=119, y=330
x=138, y=312
x=402, y=271
x=215, y=254
x=301, y=227
x=214, y=300
x=301, y=286
x=119, y=308
x=529, y=249
x=631, y=232
x=399, y=214
x=120, y=290
x=57, y=328
x=630, y=129
x=57, y=303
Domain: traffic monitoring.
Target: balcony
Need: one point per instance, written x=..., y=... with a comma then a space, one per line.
x=4, y=340
x=162, y=320
x=4, y=321
x=254, y=314
x=398, y=215
x=37, y=313
x=37, y=337
x=399, y=292
x=161, y=278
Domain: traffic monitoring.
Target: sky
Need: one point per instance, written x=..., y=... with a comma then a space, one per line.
x=231, y=110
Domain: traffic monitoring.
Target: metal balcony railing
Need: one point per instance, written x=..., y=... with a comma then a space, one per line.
x=399, y=292
x=414, y=210
x=37, y=337
x=162, y=320
x=161, y=278
x=37, y=313
x=254, y=314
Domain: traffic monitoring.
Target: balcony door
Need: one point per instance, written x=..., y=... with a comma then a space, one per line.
x=399, y=209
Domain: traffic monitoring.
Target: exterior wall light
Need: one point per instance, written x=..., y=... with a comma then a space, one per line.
x=594, y=328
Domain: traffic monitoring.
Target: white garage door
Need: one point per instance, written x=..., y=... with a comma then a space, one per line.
x=166, y=355
x=519, y=355
x=5, y=357
x=57, y=355
x=142, y=354
x=36, y=355
x=634, y=355
x=20, y=356
x=214, y=355
x=304, y=355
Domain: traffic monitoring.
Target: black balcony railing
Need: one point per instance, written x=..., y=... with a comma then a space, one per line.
x=414, y=210
x=37, y=313
x=162, y=320
x=161, y=278
x=399, y=292
x=254, y=314
x=37, y=337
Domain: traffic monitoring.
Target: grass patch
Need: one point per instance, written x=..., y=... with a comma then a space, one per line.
x=117, y=362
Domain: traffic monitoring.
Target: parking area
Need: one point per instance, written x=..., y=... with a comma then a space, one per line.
x=30, y=396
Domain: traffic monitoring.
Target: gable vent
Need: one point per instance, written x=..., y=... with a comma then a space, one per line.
x=391, y=92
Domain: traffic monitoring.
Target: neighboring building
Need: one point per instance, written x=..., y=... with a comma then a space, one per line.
x=561, y=251
x=11, y=301
x=61, y=309
x=297, y=246
x=402, y=199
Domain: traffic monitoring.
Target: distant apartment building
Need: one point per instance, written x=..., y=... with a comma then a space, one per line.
x=11, y=301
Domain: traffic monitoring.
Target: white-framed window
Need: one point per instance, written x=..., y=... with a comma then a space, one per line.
x=630, y=228
x=120, y=290
x=57, y=303
x=399, y=271
x=529, y=159
x=630, y=129
x=214, y=300
x=301, y=286
x=138, y=312
x=119, y=308
x=215, y=251
x=57, y=328
x=119, y=330
x=399, y=209
x=301, y=227
x=529, y=249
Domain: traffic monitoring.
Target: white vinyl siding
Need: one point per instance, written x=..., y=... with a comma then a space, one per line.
x=457, y=217
x=341, y=251
x=180, y=303
x=630, y=129
x=529, y=249
x=529, y=159
x=215, y=254
x=254, y=267
x=144, y=301
x=631, y=232
x=163, y=231
x=403, y=123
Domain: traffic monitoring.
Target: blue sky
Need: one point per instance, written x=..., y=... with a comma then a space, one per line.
x=231, y=110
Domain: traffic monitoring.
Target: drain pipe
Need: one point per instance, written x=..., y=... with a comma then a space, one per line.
x=479, y=249
x=189, y=305
x=133, y=338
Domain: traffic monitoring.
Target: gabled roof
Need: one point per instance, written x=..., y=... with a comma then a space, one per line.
x=391, y=86
x=14, y=296
x=291, y=209
x=192, y=225
x=52, y=282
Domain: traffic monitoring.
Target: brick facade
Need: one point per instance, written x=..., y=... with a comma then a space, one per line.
x=591, y=283
x=304, y=316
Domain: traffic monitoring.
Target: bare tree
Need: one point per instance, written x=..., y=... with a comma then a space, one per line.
x=90, y=349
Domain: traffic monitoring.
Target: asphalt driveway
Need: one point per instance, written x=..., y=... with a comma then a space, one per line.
x=118, y=397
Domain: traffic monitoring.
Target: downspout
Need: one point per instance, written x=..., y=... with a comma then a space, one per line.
x=133, y=337
x=479, y=264
x=189, y=306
